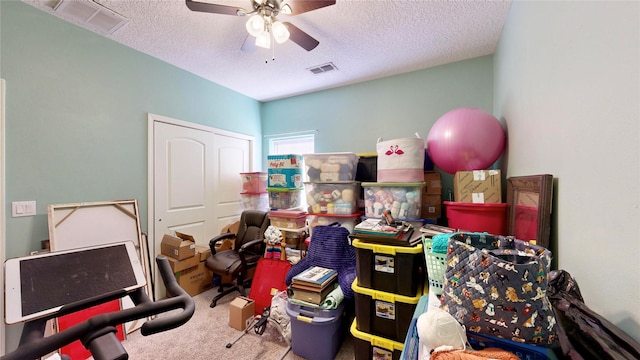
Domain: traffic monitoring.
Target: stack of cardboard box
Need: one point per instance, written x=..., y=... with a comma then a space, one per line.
x=478, y=202
x=432, y=197
x=187, y=261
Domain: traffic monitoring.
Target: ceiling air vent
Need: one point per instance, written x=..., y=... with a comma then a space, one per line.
x=320, y=69
x=91, y=14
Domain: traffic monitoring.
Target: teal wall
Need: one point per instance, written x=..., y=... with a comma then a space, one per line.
x=352, y=118
x=76, y=116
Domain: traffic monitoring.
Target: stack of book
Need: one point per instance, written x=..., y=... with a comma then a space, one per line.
x=313, y=285
x=397, y=233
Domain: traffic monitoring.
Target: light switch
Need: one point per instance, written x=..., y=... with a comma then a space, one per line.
x=23, y=208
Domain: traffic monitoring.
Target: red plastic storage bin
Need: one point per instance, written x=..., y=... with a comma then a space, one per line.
x=491, y=218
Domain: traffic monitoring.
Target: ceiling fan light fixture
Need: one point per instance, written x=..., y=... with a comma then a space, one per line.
x=255, y=25
x=263, y=40
x=280, y=32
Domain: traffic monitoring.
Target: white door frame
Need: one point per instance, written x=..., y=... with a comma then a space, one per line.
x=3, y=232
x=151, y=119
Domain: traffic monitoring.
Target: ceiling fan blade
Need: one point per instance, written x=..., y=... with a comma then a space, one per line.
x=215, y=8
x=302, y=6
x=300, y=37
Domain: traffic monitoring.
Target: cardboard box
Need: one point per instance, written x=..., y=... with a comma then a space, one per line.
x=433, y=181
x=184, y=264
x=241, y=312
x=231, y=228
x=178, y=248
x=431, y=206
x=478, y=187
x=203, y=252
x=194, y=280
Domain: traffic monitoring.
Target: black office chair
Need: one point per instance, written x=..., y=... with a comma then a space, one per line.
x=248, y=248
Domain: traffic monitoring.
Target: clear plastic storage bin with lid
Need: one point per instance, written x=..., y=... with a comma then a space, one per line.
x=255, y=201
x=254, y=182
x=330, y=167
x=283, y=198
x=339, y=197
x=403, y=200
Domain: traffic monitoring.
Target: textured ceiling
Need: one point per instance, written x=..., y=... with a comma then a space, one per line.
x=365, y=40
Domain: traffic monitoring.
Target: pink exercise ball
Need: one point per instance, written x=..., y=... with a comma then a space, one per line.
x=465, y=139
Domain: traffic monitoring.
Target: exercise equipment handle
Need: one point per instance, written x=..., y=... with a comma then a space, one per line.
x=33, y=345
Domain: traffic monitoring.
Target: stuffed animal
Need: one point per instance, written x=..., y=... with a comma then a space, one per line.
x=275, y=244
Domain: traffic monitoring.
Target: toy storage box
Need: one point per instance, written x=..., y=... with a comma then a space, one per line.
x=332, y=197
x=254, y=182
x=288, y=219
x=284, y=171
x=346, y=221
x=394, y=269
x=404, y=200
x=316, y=334
x=330, y=167
x=384, y=314
x=368, y=347
x=280, y=198
x=255, y=201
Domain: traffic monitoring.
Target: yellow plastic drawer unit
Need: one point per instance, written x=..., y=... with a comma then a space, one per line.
x=384, y=314
x=394, y=269
x=367, y=346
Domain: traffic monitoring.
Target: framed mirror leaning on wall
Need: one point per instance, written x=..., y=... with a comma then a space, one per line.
x=529, y=207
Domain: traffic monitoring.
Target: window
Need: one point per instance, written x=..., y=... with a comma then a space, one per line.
x=298, y=144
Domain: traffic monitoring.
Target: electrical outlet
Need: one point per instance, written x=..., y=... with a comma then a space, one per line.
x=23, y=208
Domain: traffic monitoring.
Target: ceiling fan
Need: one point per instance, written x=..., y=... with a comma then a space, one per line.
x=263, y=23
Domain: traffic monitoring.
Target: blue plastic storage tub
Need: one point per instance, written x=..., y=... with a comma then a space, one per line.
x=316, y=334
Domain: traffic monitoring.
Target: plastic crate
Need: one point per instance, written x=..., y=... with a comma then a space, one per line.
x=367, y=346
x=436, y=266
x=412, y=342
x=403, y=200
x=393, y=269
x=523, y=351
x=330, y=167
x=331, y=198
x=383, y=314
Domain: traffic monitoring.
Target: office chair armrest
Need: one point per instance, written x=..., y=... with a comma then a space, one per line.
x=244, y=249
x=218, y=238
x=249, y=244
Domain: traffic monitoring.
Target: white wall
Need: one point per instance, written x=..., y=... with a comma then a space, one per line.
x=567, y=85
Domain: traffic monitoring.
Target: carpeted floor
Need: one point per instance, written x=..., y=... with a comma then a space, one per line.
x=206, y=335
